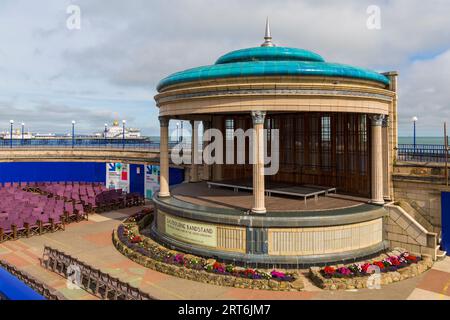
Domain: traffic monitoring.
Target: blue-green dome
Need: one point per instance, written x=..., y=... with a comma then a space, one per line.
x=269, y=54
x=271, y=61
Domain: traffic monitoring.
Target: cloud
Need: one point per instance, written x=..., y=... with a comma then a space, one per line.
x=125, y=47
x=425, y=94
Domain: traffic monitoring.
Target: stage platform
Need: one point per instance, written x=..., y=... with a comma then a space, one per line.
x=217, y=222
x=279, y=197
x=304, y=191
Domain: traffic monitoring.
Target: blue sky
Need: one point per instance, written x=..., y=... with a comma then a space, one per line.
x=108, y=69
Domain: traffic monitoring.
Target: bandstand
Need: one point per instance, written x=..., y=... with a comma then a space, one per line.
x=337, y=127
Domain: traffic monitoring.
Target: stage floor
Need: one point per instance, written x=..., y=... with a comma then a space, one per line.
x=219, y=197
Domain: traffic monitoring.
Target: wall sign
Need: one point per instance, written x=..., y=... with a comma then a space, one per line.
x=152, y=174
x=191, y=232
x=117, y=176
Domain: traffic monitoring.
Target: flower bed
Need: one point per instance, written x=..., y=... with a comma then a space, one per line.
x=134, y=241
x=388, y=264
x=145, y=251
x=393, y=266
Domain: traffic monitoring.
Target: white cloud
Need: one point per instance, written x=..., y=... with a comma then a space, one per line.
x=124, y=47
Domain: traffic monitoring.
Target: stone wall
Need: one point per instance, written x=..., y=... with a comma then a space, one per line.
x=425, y=197
x=77, y=154
x=402, y=230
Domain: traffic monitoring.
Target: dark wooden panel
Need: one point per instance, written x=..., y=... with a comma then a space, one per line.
x=325, y=149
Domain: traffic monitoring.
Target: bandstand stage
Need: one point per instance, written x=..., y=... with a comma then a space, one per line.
x=337, y=127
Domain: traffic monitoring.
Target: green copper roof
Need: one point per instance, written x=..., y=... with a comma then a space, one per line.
x=271, y=61
x=269, y=54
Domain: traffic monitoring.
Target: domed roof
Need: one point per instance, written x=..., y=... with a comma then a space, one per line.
x=269, y=54
x=269, y=60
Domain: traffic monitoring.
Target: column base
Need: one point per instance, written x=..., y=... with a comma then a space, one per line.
x=259, y=211
x=164, y=195
x=378, y=202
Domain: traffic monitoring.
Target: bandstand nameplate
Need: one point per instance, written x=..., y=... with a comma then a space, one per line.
x=192, y=232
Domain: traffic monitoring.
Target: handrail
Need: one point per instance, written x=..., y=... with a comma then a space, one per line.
x=79, y=143
x=422, y=152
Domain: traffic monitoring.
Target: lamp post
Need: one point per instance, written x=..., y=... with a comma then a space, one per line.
x=123, y=133
x=178, y=137
x=414, y=119
x=73, y=133
x=181, y=133
x=106, y=131
x=11, y=132
x=23, y=131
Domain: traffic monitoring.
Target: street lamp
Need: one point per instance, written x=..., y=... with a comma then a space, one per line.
x=414, y=120
x=106, y=131
x=73, y=133
x=23, y=130
x=181, y=133
x=123, y=133
x=11, y=132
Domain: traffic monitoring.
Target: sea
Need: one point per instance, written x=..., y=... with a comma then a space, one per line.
x=422, y=140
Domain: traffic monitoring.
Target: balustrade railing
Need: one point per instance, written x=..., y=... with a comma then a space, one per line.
x=422, y=153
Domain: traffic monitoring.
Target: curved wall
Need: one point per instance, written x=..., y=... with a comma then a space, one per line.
x=294, y=238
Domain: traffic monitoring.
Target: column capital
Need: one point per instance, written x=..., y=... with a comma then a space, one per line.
x=258, y=117
x=377, y=119
x=386, y=122
x=164, y=121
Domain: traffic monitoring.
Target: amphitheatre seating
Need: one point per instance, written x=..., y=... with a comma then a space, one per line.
x=23, y=214
x=28, y=209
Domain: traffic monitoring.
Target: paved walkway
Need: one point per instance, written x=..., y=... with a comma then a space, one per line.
x=90, y=241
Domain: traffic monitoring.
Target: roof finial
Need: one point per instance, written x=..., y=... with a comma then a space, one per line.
x=268, y=36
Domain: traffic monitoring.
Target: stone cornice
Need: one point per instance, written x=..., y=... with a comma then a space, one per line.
x=274, y=92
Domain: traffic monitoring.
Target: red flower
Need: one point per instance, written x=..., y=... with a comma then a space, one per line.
x=249, y=271
x=365, y=267
x=411, y=258
x=379, y=264
x=136, y=239
x=329, y=270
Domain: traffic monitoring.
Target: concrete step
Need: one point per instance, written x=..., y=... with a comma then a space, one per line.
x=440, y=255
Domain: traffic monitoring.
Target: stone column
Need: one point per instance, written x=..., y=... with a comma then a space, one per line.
x=259, y=206
x=386, y=158
x=164, y=158
x=206, y=167
x=218, y=123
x=194, y=151
x=377, y=160
x=393, y=129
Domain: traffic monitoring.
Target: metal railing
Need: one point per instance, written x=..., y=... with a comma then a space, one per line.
x=92, y=280
x=137, y=144
x=422, y=153
x=79, y=143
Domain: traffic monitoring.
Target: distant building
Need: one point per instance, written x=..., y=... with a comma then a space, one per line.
x=116, y=132
x=113, y=132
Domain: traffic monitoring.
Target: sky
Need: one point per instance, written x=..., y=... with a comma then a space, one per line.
x=109, y=67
